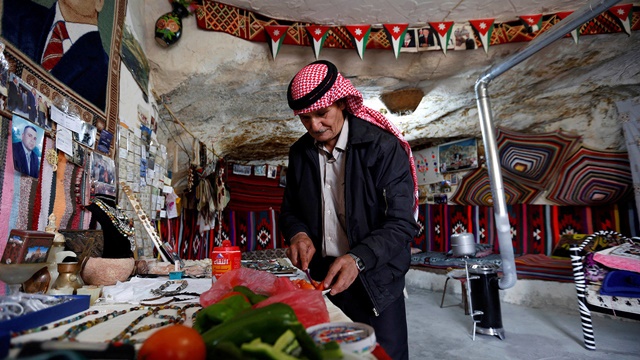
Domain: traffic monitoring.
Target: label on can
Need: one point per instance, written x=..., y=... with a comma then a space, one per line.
x=225, y=258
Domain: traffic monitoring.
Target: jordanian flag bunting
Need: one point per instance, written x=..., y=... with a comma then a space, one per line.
x=276, y=34
x=623, y=13
x=444, y=33
x=575, y=33
x=533, y=23
x=396, y=33
x=318, y=34
x=484, y=27
x=360, y=35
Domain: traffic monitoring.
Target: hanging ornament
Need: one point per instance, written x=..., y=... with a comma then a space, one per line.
x=396, y=33
x=484, y=28
x=575, y=33
x=318, y=34
x=52, y=158
x=623, y=14
x=360, y=37
x=276, y=35
x=169, y=25
x=443, y=29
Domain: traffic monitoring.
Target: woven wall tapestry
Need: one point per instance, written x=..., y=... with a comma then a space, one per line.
x=535, y=229
x=533, y=159
x=76, y=74
x=475, y=189
x=593, y=177
x=249, y=25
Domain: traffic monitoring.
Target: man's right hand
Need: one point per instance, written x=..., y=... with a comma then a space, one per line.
x=301, y=251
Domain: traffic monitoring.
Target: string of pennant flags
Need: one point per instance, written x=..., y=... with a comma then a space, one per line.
x=401, y=37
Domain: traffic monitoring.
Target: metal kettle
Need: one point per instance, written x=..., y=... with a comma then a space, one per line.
x=68, y=273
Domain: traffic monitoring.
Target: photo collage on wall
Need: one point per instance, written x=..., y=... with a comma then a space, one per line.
x=440, y=169
x=426, y=39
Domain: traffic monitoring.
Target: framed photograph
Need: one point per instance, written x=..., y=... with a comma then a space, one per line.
x=26, y=101
x=242, y=169
x=78, y=154
x=260, y=170
x=409, y=44
x=272, y=171
x=103, y=169
x=104, y=145
x=87, y=135
x=283, y=177
x=27, y=140
x=458, y=155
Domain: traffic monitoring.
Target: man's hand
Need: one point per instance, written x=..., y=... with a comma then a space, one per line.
x=342, y=273
x=301, y=251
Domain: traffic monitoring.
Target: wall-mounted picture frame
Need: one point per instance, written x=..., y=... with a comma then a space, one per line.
x=458, y=155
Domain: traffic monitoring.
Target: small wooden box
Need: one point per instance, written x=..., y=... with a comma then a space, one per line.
x=27, y=246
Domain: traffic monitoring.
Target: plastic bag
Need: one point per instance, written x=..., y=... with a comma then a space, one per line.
x=309, y=305
x=260, y=282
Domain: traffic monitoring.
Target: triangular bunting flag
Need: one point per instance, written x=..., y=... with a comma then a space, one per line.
x=318, y=34
x=276, y=35
x=444, y=33
x=623, y=13
x=484, y=28
x=396, y=34
x=575, y=33
x=360, y=36
x=533, y=23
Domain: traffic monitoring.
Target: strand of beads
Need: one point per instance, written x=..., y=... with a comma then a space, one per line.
x=160, y=291
x=74, y=331
x=56, y=325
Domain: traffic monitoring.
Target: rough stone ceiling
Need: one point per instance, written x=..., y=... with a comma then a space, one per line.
x=230, y=93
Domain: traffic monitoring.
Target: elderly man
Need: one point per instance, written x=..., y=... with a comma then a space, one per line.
x=348, y=211
x=25, y=159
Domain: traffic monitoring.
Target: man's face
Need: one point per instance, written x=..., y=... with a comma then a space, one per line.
x=324, y=124
x=84, y=7
x=29, y=138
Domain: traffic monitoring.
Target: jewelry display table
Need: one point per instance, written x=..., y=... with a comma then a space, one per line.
x=133, y=310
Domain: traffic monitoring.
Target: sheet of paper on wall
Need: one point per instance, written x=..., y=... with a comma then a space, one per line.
x=153, y=149
x=123, y=153
x=143, y=182
x=64, y=140
x=130, y=157
x=130, y=176
x=137, y=133
x=136, y=149
x=172, y=211
x=135, y=187
x=154, y=202
x=163, y=214
x=72, y=123
x=160, y=203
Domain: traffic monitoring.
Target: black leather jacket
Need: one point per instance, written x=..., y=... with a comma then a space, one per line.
x=379, y=206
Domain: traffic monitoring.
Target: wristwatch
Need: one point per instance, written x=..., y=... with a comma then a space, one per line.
x=359, y=262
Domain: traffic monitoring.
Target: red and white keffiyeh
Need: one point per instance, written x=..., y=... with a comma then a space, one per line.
x=315, y=75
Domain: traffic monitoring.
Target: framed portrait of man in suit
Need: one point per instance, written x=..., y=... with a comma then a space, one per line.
x=64, y=48
x=26, y=141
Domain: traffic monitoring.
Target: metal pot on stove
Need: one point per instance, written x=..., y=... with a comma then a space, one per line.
x=463, y=244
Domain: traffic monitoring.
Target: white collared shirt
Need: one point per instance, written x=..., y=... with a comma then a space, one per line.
x=332, y=173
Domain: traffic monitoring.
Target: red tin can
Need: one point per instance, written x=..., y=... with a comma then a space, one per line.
x=225, y=258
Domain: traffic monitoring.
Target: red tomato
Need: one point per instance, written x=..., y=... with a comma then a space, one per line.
x=174, y=342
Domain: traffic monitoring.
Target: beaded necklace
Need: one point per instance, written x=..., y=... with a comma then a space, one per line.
x=118, y=218
x=56, y=325
x=160, y=291
x=125, y=335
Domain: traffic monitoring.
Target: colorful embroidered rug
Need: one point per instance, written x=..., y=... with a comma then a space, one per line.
x=533, y=159
x=475, y=189
x=249, y=25
x=593, y=177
